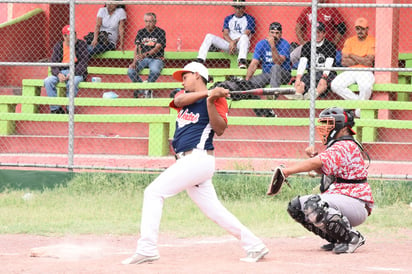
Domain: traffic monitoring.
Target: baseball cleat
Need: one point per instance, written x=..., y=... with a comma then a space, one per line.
x=356, y=241
x=139, y=259
x=328, y=247
x=254, y=256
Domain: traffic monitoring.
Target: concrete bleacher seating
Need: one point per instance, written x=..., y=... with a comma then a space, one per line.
x=161, y=125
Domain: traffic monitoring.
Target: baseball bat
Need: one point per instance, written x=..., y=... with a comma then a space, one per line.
x=264, y=91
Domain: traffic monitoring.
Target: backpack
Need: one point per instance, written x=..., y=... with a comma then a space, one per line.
x=103, y=38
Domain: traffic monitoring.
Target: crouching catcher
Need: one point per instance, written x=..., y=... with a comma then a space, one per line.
x=346, y=197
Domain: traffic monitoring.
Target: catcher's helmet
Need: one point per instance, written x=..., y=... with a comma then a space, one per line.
x=332, y=120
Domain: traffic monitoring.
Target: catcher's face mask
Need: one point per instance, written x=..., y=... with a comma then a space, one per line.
x=324, y=128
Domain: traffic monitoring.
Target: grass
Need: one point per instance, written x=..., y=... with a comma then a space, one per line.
x=104, y=203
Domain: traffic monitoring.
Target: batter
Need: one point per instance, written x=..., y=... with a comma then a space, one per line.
x=202, y=113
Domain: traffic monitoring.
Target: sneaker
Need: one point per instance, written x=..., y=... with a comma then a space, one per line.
x=136, y=93
x=328, y=247
x=259, y=112
x=306, y=96
x=139, y=259
x=270, y=113
x=296, y=96
x=60, y=110
x=148, y=93
x=356, y=241
x=200, y=60
x=242, y=64
x=357, y=113
x=254, y=256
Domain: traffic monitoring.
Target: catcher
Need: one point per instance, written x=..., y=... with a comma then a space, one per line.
x=346, y=197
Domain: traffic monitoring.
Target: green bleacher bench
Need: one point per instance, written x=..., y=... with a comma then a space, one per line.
x=218, y=74
x=405, y=77
x=161, y=125
x=406, y=57
x=175, y=55
x=32, y=87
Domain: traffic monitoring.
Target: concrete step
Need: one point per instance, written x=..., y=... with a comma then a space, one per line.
x=25, y=128
x=142, y=130
x=235, y=148
x=82, y=145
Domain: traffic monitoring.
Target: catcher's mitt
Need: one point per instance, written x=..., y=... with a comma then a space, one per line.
x=277, y=181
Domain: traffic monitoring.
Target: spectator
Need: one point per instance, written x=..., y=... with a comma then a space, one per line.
x=149, y=52
x=110, y=19
x=237, y=31
x=358, y=52
x=325, y=57
x=335, y=29
x=273, y=54
x=61, y=54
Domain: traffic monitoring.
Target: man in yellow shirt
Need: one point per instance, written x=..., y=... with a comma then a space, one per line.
x=358, y=52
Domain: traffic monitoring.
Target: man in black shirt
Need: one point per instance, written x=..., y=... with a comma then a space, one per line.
x=325, y=57
x=149, y=52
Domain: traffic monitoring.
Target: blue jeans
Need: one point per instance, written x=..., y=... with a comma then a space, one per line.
x=51, y=82
x=99, y=48
x=155, y=66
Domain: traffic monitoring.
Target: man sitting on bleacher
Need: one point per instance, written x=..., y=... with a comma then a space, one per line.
x=237, y=31
x=358, y=52
x=149, y=52
x=324, y=57
x=273, y=52
x=61, y=54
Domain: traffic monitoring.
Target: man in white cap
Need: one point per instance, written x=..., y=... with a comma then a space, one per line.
x=238, y=29
x=201, y=114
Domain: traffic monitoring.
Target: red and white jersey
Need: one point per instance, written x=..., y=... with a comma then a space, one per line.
x=344, y=160
x=193, y=129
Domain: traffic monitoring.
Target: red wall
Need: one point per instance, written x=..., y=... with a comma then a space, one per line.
x=191, y=23
x=21, y=42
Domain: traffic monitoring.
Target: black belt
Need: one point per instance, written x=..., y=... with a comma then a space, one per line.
x=368, y=209
x=345, y=181
x=180, y=155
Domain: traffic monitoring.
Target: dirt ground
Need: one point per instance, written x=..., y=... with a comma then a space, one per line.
x=103, y=254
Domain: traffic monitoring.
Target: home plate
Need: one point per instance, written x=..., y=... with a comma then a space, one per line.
x=67, y=251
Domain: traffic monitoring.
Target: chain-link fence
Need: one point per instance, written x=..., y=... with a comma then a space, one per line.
x=116, y=115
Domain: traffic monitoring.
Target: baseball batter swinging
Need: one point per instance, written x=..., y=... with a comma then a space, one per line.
x=346, y=197
x=201, y=114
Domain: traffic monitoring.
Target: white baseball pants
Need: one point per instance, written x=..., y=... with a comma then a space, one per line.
x=192, y=173
x=364, y=79
x=210, y=39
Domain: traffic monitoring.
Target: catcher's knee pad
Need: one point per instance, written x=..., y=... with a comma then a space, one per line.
x=295, y=210
x=338, y=227
x=315, y=210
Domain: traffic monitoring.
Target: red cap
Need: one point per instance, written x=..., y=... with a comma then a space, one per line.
x=66, y=30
